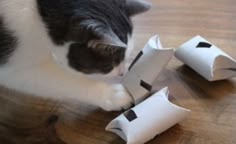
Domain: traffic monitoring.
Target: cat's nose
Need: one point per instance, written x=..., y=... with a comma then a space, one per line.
x=121, y=74
x=121, y=69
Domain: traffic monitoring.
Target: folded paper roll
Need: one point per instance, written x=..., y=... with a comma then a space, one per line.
x=145, y=69
x=148, y=119
x=206, y=59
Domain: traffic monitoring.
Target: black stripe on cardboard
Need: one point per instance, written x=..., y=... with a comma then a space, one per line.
x=145, y=85
x=136, y=59
x=130, y=115
x=203, y=45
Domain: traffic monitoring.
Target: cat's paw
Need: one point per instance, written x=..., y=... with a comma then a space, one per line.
x=118, y=99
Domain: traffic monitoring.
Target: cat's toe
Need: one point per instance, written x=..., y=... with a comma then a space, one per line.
x=120, y=99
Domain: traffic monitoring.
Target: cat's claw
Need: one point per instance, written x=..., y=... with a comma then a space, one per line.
x=118, y=100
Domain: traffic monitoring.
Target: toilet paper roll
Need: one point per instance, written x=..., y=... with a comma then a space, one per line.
x=146, y=68
x=206, y=59
x=148, y=119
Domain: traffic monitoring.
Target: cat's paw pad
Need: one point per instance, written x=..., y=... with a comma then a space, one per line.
x=118, y=100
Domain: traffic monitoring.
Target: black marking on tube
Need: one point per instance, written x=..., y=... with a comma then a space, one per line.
x=130, y=115
x=145, y=85
x=136, y=59
x=203, y=45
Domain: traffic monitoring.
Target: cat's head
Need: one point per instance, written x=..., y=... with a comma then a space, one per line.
x=91, y=35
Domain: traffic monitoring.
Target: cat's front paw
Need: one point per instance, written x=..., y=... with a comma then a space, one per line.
x=118, y=99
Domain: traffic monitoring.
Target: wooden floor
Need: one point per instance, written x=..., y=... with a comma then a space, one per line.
x=29, y=120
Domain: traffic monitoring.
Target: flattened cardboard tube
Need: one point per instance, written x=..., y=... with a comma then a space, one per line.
x=148, y=119
x=145, y=69
x=206, y=59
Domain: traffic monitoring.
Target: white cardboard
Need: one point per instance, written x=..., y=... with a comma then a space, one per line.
x=212, y=63
x=153, y=116
x=147, y=68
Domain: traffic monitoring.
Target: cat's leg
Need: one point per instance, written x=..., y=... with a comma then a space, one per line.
x=50, y=81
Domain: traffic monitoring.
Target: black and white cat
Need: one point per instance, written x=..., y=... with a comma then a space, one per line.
x=86, y=37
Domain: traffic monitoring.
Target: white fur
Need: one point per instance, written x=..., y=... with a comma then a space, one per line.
x=32, y=69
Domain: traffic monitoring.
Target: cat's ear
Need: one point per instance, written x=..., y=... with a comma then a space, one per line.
x=135, y=7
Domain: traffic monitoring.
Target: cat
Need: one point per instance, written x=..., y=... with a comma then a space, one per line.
x=58, y=48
